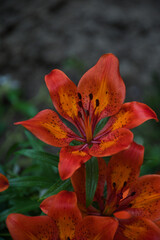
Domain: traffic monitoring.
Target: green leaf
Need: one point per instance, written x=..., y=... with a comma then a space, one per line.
x=100, y=125
x=5, y=197
x=21, y=207
x=57, y=187
x=35, y=143
x=91, y=179
x=40, y=156
x=30, y=181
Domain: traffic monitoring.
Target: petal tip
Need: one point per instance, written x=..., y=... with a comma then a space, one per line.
x=4, y=183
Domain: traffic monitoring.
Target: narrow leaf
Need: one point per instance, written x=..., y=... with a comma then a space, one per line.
x=21, y=208
x=40, y=156
x=35, y=143
x=30, y=181
x=57, y=187
x=91, y=179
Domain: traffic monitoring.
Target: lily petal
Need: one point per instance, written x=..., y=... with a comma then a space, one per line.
x=71, y=158
x=78, y=180
x=101, y=183
x=123, y=168
x=131, y=115
x=113, y=143
x=62, y=208
x=96, y=228
x=146, y=202
x=4, y=184
x=63, y=93
x=104, y=82
x=48, y=127
x=138, y=229
x=31, y=228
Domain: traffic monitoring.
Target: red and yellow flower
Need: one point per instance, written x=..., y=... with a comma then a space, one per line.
x=133, y=201
x=100, y=93
x=63, y=218
x=4, y=184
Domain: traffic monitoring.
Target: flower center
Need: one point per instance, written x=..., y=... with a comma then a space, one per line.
x=118, y=201
x=87, y=118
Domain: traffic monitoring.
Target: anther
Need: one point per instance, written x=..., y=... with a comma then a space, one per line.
x=97, y=102
x=68, y=238
x=130, y=205
x=91, y=96
x=124, y=184
x=114, y=185
x=133, y=193
x=79, y=95
x=79, y=114
x=80, y=104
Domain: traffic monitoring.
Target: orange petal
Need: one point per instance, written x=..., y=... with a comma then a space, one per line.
x=124, y=168
x=137, y=229
x=96, y=228
x=62, y=208
x=122, y=215
x=31, y=228
x=78, y=180
x=146, y=202
x=131, y=115
x=114, y=142
x=4, y=184
x=99, y=194
x=63, y=93
x=157, y=223
x=71, y=158
x=104, y=82
x=48, y=127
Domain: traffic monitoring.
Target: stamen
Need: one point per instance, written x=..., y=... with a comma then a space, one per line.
x=87, y=113
x=133, y=193
x=79, y=96
x=80, y=104
x=91, y=96
x=97, y=102
x=83, y=147
x=124, y=184
x=79, y=114
x=114, y=185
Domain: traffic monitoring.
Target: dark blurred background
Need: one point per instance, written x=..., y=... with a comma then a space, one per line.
x=37, y=36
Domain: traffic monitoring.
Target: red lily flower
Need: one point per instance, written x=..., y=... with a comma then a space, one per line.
x=100, y=93
x=4, y=184
x=60, y=224
x=133, y=201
